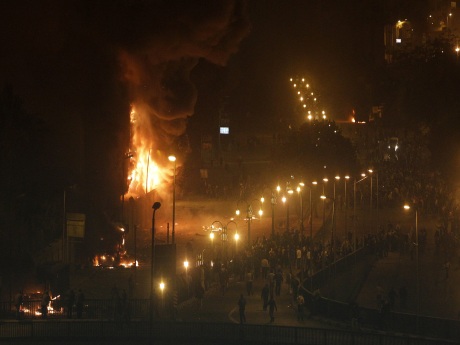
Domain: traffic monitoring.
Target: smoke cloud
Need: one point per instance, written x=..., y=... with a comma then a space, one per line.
x=157, y=64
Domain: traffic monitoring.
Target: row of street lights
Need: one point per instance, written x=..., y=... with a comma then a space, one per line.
x=284, y=194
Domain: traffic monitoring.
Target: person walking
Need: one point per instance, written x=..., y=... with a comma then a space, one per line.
x=44, y=304
x=18, y=300
x=264, y=295
x=242, y=309
x=271, y=309
x=278, y=282
x=300, y=307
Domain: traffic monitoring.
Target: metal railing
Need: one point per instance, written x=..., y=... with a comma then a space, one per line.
x=193, y=332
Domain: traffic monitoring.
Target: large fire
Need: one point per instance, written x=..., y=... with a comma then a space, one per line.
x=144, y=174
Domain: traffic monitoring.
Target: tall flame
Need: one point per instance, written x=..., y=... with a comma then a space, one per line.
x=144, y=173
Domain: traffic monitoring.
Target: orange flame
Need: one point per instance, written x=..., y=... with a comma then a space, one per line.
x=145, y=174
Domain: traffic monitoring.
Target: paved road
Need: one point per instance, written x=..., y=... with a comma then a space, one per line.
x=218, y=307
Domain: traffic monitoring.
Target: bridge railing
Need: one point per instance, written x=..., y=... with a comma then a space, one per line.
x=198, y=333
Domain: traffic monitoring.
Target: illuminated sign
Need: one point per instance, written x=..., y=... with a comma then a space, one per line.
x=224, y=130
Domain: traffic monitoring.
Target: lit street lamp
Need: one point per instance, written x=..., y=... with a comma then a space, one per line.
x=237, y=237
x=155, y=207
x=249, y=213
x=364, y=176
x=324, y=197
x=223, y=235
x=299, y=191
x=186, y=266
x=346, y=205
x=314, y=183
x=407, y=207
x=173, y=159
x=211, y=236
x=162, y=288
x=324, y=208
x=273, y=203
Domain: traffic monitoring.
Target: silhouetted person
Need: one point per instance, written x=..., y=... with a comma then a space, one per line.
x=242, y=308
x=18, y=300
x=271, y=309
x=264, y=295
x=300, y=307
x=44, y=304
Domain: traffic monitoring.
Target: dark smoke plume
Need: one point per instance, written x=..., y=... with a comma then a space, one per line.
x=157, y=63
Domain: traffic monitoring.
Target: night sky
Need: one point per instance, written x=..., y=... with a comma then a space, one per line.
x=79, y=65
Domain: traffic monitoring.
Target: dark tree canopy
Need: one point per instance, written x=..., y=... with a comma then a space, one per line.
x=316, y=147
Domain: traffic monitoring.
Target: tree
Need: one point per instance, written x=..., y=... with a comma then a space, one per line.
x=317, y=148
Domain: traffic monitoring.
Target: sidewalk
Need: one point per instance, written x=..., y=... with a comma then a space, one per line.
x=224, y=308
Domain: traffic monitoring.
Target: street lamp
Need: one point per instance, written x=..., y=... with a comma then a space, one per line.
x=346, y=205
x=408, y=207
x=324, y=197
x=211, y=236
x=299, y=191
x=224, y=233
x=249, y=213
x=363, y=177
x=186, y=266
x=155, y=207
x=237, y=237
x=314, y=183
x=173, y=159
x=337, y=178
x=324, y=209
x=162, y=288
x=273, y=203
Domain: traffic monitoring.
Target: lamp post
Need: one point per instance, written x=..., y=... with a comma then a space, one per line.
x=224, y=235
x=324, y=205
x=364, y=176
x=286, y=202
x=273, y=203
x=337, y=178
x=408, y=207
x=346, y=205
x=173, y=159
x=237, y=237
x=299, y=191
x=155, y=207
x=162, y=288
x=314, y=183
x=211, y=236
x=249, y=214
x=186, y=266
x=324, y=197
